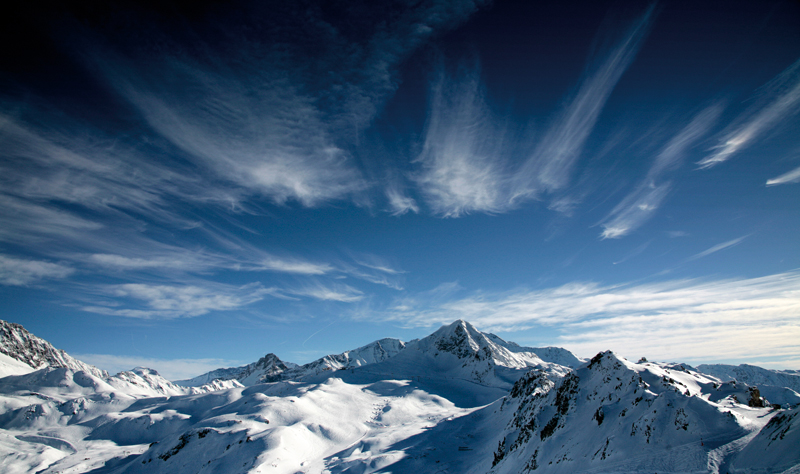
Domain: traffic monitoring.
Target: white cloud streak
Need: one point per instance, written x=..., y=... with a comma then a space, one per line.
x=293, y=266
x=270, y=114
x=21, y=272
x=153, y=301
x=634, y=210
x=26, y=222
x=786, y=178
x=717, y=248
x=465, y=162
x=270, y=141
x=399, y=202
x=44, y=165
x=376, y=263
x=168, y=258
x=786, y=92
x=550, y=166
x=678, y=320
x=462, y=157
x=641, y=204
x=320, y=291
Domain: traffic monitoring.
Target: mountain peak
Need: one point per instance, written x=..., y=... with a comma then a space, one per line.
x=461, y=339
x=17, y=343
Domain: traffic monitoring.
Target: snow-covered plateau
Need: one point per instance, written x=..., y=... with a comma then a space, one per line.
x=457, y=401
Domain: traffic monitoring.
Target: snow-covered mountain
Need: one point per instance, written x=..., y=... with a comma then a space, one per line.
x=266, y=369
x=457, y=401
x=753, y=375
x=270, y=368
x=611, y=414
x=18, y=344
x=554, y=355
x=459, y=351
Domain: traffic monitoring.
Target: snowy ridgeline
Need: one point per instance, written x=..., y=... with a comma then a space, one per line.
x=458, y=401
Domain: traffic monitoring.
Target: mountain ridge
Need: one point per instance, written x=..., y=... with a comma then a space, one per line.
x=19, y=344
x=271, y=368
x=458, y=400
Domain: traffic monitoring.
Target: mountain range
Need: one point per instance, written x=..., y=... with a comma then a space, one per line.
x=459, y=400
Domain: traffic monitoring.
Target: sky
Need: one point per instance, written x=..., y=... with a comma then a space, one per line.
x=187, y=187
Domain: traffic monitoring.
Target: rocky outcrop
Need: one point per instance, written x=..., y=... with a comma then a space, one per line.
x=17, y=343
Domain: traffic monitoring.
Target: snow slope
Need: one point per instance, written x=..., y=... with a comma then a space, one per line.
x=11, y=366
x=612, y=415
x=555, y=355
x=457, y=401
x=752, y=375
x=779, y=387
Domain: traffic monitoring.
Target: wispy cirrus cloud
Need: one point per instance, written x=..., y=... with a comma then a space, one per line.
x=634, y=210
x=320, y=291
x=717, y=248
x=640, y=205
x=744, y=318
x=297, y=266
x=177, y=261
x=29, y=222
x=269, y=112
x=782, y=99
x=373, y=269
x=273, y=141
x=462, y=158
x=399, y=202
x=465, y=164
x=164, y=301
x=21, y=272
x=48, y=164
x=786, y=178
x=551, y=164
x=148, y=254
x=374, y=262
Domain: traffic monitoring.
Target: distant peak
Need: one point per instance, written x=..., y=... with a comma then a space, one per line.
x=145, y=371
x=460, y=324
x=603, y=358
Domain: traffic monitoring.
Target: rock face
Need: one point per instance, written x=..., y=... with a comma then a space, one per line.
x=17, y=343
x=611, y=414
x=474, y=349
x=266, y=369
x=459, y=353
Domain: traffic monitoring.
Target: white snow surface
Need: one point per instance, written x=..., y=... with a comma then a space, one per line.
x=457, y=401
x=778, y=387
x=12, y=366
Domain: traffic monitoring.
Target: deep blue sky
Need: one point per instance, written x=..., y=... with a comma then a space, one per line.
x=187, y=187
